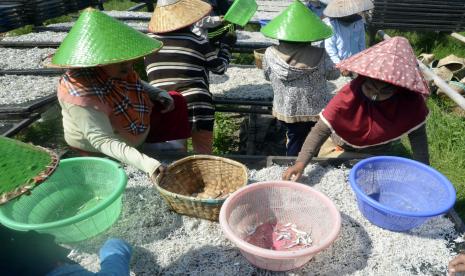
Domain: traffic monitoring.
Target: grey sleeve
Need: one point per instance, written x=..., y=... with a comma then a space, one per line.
x=315, y=139
x=419, y=142
x=151, y=90
x=331, y=72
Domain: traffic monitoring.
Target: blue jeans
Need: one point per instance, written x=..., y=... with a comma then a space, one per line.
x=296, y=134
x=115, y=255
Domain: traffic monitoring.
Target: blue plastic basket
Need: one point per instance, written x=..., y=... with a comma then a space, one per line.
x=399, y=194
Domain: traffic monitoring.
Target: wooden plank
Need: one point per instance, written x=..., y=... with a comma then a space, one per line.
x=29, y=44
x=416, y=2
x=34, y=72
x=28, y=107
x=13, y=127
x=270, y=9
x=414, y=27
x=418, y=14
x=419, y=10
x=418, y=21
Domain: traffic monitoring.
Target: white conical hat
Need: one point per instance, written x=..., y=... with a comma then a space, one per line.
x=341, y=8
x=171, y=15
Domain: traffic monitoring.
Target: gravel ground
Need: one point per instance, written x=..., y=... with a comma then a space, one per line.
x=138, y=25
x=20, y=89
x=254, y=38
x=250, y=84
x=122, y=14
x=38, y=37
x=167, y=243
x=241, y=83
x=13, y=58
x=244, y=38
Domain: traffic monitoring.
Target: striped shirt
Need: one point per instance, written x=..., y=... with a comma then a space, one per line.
x=183, y=65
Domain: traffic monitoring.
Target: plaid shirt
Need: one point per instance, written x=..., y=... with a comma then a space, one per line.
x=126, y=100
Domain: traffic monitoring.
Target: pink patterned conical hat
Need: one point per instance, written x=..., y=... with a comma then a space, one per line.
x=391, y=61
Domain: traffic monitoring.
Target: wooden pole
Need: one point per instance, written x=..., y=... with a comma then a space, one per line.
x=430, y=75
x=458, y=37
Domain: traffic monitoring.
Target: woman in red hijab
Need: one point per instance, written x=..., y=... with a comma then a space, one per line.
x=385, y=102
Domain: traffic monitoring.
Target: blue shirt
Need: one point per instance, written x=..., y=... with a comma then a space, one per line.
x=348, y=39
x=317, y=10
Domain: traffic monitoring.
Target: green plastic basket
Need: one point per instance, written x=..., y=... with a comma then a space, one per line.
x=80, y=200
x=241, y=11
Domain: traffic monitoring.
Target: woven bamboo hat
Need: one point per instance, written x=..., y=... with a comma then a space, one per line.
x=426, y=59
x=342, y=8
x=23, y=166
x=172, y=15
x=452, y=62
x=97, y=39
x=392, y=61
x=444, y=73
x=298, y=24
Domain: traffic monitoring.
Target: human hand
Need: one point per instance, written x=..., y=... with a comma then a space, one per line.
x=158, y=172
x=345, y=73
x=295, y=172
x=457, y=264
x=166, y=100
x=229, y=38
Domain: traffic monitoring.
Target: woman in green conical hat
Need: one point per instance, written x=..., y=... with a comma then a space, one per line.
x=298, y=71
x=106, y=107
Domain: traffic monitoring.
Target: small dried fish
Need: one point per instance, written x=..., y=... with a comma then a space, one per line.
x=298, y=231
x=292, y=245
x=251, y=230
x=286, y=236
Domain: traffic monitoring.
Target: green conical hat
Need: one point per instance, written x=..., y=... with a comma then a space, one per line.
x=22, y=167
x=98, y=39
x=298, y=24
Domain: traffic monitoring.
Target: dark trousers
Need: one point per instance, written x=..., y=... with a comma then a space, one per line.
x=296, y=134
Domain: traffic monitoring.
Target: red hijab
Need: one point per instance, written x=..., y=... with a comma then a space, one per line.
x=362, y=122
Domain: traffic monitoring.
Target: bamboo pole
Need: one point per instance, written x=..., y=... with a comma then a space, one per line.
x=458, y=37
x=430, y=75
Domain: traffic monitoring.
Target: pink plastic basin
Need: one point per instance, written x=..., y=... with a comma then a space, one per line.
x=283, y=202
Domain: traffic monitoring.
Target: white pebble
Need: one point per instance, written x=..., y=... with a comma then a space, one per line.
x=38, y=37
x=167, y=243
x=31, y=58
x=20, y=89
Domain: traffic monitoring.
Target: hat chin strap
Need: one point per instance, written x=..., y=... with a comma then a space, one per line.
x=162, y=3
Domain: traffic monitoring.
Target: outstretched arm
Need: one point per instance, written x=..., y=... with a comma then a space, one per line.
x=419, y=142
x=315, y=139
x=97, y=129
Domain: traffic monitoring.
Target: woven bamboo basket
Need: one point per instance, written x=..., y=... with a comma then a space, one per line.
x=258, y=55
x=198, y=185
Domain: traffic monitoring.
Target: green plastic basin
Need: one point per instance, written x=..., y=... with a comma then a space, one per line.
x=241, y=11
x=80, y=200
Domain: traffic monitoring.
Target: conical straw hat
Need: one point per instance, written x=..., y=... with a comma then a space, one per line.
x=426, y=59
x=444, y=73
x=97, y=39
x=172, y=15
x=392, y=61
x=23, y=166
x=341, y=8
x=452, y=62
x=298, y=24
